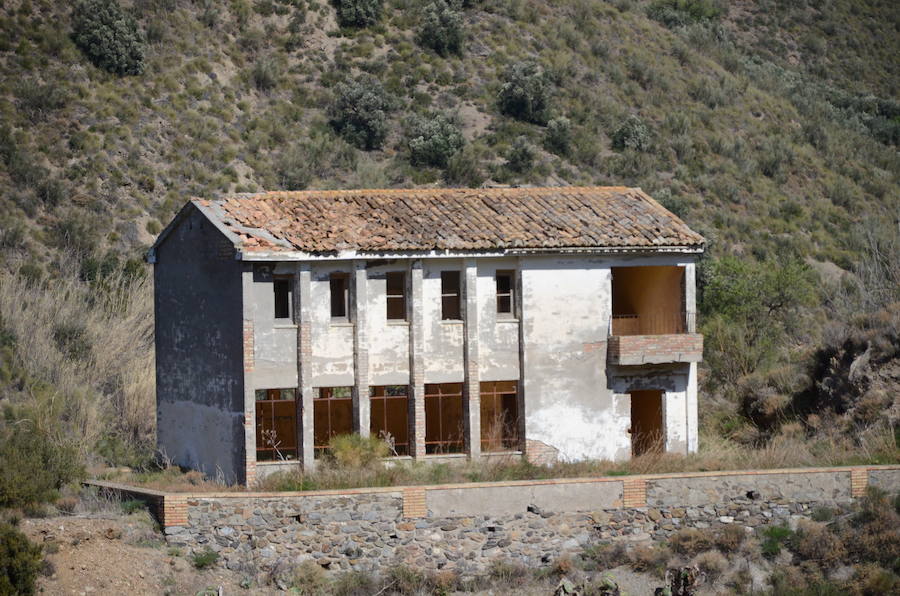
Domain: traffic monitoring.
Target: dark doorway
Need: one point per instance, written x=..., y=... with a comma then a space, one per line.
x=646, y=422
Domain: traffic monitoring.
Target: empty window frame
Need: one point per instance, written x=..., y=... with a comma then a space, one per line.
x=499, y=416
x=332, y=415
x=444, y=418
x=389, y=407
x=450, y=303
x=282, y=288
x=340, y=295
x=396, y=296
x=276, y=424
x=506, y=289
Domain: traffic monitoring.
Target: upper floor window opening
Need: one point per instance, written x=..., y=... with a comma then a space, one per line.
x=396, y=296
x=282, y=290
x=506, y=288
x=450, y=296
x=340, y=295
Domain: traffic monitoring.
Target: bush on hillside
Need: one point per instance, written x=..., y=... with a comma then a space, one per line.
x=525, y=93
x=464, y=168
x=32, y=466
x=559, y=135
x=356, y=451
x=432, y=141
x=108, y=36
x=358, y=13
x=678, y=13
x=520, y=156
x=441, y=29
x=359, y=112
x=20, y=561
x=632, y=134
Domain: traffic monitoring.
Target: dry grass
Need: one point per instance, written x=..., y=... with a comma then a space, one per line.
x=83, y=353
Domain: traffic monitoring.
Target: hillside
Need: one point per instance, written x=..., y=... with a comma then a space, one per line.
x=772, y=127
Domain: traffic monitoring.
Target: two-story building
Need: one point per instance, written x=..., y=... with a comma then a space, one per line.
x=546, y=322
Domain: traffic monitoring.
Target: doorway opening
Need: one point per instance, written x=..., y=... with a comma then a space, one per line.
x=647, y=434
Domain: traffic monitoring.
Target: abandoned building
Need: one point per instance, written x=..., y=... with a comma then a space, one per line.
x=542, y=322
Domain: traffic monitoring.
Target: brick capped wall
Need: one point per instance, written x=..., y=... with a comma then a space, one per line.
x=655, y=349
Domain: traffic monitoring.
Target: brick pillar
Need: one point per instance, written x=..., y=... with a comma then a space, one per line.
x=359, y=315
x=303, y=319
x=471, y=376
x=174, y=511
x=634, y=492
x=416, y=362
x=859, y=481
x=414, y=504
x=249, y=471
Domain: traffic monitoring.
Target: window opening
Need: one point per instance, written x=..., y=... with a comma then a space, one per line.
x=396, y=296
x=499, y=416
x=450, y=307
x=389, y=407
x=443, y=418
x=332, y=416
x=276, y=424
x=282, y=287
x=340, y=295
x=506, y=293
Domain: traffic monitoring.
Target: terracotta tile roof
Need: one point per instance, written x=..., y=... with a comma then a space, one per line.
x=451, y=219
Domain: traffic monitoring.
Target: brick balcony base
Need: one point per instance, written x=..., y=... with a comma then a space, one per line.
x=633, y=350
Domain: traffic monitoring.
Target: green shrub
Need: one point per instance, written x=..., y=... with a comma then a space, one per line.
x=309, y=579
x=678, y=13
x=525, y=92
x=356, y=451
x=464, y=168
x=265, y=74
x=774, y=537
x=433, y=140
x=520, y=156
x=690, y=541
x=441, y=29
x=37, y=99
x=632, y=134
x=204, y=558
x=360, y=110
x=20, y=561
x=108, y=36
x=559, y=135
x=33, y=467
x=132, y=506
x=358, y=13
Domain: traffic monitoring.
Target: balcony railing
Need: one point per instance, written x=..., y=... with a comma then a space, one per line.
x=653, y=324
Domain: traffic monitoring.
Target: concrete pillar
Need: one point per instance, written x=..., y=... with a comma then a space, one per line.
x=247, y=327
x=471, y=376
x=690, y=296
x=416, y=361
x=359, y=315
x=303, y=319
x=520, y=314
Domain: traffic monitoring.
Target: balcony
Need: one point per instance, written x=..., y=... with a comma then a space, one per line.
x=662, y=338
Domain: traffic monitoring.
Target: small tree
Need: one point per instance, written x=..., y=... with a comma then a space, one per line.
x=358, y=13
x=359, y=112
x=520, y=157
x=20, y=561
x=433, y=140
x=108, y=36
x=525, y=93
x=632, y=134
x=559, y=135
x=441, y=29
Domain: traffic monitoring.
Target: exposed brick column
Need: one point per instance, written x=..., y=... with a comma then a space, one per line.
x=359, y=315
x=471, y=376
x=634, y=492
x=414, y=502
x=859, y=482
x=249, y=386
x=303, y=319
x=416, y=362
x=174, y=511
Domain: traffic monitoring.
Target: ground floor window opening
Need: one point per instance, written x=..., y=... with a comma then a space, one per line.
x=276, y=424
x=499, y=416
x=444, y=429
x=389, y=408
x=332, y=415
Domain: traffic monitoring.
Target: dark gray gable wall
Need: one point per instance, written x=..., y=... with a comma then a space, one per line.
x=199, y=349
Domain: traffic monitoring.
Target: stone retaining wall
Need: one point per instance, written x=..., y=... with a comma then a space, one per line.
x=466, y=527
